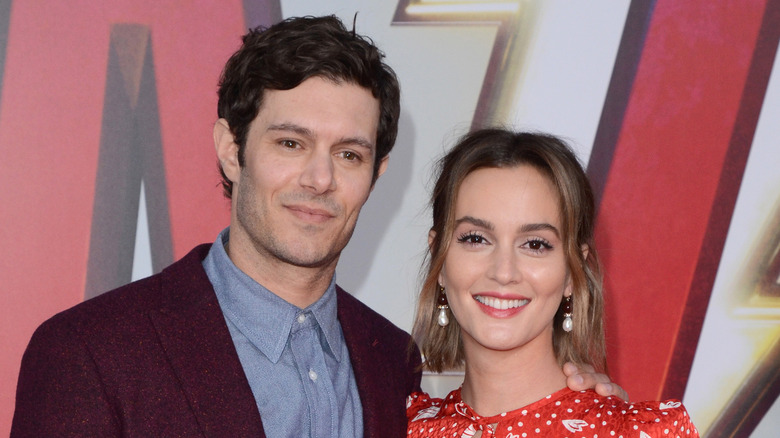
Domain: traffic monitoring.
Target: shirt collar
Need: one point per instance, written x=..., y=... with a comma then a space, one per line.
x=259, y=314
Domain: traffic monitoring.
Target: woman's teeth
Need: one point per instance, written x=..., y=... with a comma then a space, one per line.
x=500, y=304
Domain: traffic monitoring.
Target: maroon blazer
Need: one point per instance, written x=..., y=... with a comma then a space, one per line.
x=155, y=358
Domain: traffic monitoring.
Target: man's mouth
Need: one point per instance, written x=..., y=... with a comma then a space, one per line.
x=317, y=214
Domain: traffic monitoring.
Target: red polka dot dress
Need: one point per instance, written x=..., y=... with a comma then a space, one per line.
x=565, y=413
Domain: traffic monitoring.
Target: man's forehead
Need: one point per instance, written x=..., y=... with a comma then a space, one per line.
x=317, y=106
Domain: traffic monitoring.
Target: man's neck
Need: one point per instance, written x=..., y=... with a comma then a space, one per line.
x=298, y=285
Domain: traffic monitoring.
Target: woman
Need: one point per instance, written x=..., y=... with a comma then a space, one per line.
x=513, y=291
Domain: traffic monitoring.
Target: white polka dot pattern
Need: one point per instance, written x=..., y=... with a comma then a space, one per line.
x=564, y=414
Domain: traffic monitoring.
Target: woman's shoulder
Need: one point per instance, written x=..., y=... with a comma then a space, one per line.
x=420, y=405
x=587, y=410
x=564, y=413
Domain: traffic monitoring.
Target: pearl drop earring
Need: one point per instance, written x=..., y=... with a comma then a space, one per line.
x=443, y=306
x=568, y=325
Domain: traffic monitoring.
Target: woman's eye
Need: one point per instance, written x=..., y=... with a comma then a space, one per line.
x=471, y=238
x=538, y=245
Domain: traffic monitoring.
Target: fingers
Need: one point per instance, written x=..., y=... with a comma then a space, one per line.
x=570, y=369
x=585, y=377
x=581, y=377
x=611, y=389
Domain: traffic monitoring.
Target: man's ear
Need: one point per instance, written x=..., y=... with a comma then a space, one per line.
x=227, y=150
x=382, y=168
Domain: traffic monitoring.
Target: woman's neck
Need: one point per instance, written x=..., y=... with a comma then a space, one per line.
x=502, y=381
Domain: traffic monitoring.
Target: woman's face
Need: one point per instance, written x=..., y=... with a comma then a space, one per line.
x=505, y=271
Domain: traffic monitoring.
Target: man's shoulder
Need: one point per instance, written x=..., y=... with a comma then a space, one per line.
x=131, y=301
x=353, y=313
x=378, y=347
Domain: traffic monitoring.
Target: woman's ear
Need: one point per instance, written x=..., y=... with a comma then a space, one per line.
x=431, y=237
x=585, y=250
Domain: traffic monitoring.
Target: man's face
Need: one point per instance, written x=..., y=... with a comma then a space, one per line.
x=309, y=160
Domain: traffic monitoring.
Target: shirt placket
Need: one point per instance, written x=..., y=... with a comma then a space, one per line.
x=310, y=363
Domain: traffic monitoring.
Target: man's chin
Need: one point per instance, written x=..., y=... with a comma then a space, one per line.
x=309, y=258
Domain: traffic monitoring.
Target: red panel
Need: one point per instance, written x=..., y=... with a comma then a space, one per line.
x=50, y=118
x=667, y=166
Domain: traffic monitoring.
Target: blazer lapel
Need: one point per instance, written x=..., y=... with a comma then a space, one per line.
x=385, y=369
x=197, y=343
x=366, y=362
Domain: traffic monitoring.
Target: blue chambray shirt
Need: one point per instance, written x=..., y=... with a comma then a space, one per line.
x=296, y=361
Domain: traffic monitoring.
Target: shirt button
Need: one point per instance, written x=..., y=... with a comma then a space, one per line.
x=301, y=318
x=312, y=375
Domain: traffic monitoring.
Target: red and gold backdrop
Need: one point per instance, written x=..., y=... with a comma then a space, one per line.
x=107, y=171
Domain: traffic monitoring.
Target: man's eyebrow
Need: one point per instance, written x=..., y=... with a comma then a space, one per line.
x=291, y=127
x=358, y=141
x=306, y=132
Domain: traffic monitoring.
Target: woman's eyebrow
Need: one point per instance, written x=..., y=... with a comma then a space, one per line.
x=475, y=221
x=527, y=228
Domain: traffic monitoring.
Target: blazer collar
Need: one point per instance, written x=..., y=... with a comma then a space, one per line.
x=196, y=341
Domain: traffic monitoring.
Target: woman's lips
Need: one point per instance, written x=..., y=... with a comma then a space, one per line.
x=500, y=307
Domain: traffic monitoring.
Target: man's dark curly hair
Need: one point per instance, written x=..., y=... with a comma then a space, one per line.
x=284, y=55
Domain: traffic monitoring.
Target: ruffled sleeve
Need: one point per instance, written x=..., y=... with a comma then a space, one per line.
x=666, y=418
x=614, y=416
x=419, y=405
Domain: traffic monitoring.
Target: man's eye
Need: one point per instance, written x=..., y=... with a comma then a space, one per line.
x=289, y=144
x=350, y=156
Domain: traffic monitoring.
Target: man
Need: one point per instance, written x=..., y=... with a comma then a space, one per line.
x=251, y=336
